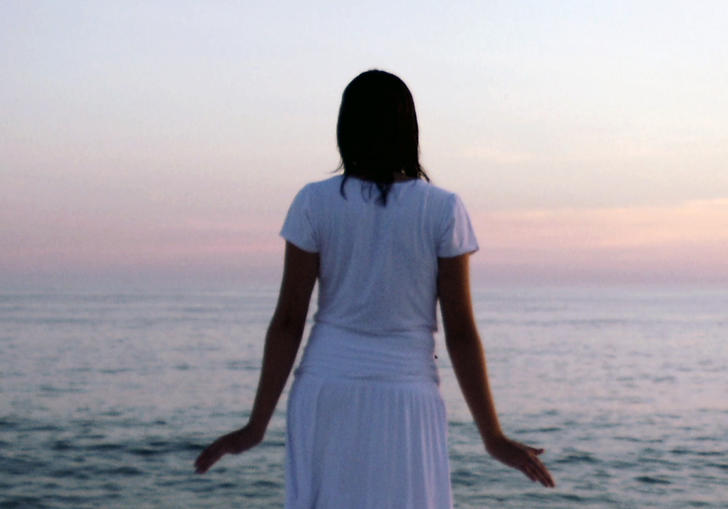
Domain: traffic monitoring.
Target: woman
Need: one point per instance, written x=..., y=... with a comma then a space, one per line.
x=366, y=427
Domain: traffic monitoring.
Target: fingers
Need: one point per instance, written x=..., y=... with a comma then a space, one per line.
x=533, y=468
x=537, y=472
x=209, y=457
x=205, y=460
x=541, y=475
x=232, y=443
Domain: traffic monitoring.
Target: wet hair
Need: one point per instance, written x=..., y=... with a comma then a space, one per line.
x=377, y=131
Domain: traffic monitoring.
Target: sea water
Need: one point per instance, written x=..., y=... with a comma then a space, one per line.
x=107, y=397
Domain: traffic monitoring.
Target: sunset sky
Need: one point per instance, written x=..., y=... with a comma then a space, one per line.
x=163, y=141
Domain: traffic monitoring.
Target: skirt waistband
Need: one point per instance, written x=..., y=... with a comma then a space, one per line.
x=333, y=352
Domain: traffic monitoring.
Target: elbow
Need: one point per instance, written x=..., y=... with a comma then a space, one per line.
x=456, y=337
x=288, y=324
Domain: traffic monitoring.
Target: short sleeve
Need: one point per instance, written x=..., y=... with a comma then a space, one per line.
x=298, y=228
x=456, y=233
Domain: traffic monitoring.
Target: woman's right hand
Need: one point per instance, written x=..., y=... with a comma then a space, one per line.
x=233, y=443
x=521, y=457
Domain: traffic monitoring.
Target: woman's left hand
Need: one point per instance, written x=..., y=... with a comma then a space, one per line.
x=521, y=457
x=232, y=443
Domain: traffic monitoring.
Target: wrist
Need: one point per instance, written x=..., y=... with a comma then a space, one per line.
x=257, y=428
x=492, y=437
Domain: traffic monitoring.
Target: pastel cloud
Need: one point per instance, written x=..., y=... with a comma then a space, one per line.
x=669, y=242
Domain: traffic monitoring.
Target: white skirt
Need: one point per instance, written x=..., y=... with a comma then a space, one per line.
x=366, y=424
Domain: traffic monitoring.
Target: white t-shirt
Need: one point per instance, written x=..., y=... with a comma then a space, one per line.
x=378, y=264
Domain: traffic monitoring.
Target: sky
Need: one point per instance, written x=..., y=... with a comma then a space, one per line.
x=162, y=142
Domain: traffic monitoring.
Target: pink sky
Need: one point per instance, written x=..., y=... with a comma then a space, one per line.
x=167, y=139
x=679, y=244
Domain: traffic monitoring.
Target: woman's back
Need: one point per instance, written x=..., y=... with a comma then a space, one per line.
x=366, y=424
x=378, y=263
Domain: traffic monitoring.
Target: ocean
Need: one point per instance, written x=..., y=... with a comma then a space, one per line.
x=107, y=397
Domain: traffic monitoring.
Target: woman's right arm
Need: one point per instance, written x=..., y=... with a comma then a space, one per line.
x=468, y=360
x=281, y=346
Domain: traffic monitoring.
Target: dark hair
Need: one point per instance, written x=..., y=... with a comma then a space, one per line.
x=377, y=131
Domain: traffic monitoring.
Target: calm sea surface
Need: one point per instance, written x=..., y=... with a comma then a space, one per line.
x=106, y=398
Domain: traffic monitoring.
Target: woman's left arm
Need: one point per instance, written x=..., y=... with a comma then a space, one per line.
x=281, y=347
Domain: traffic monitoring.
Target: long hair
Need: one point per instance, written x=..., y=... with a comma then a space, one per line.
x=377, y=131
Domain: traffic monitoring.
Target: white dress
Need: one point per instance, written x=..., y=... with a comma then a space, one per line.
x=366, y=426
